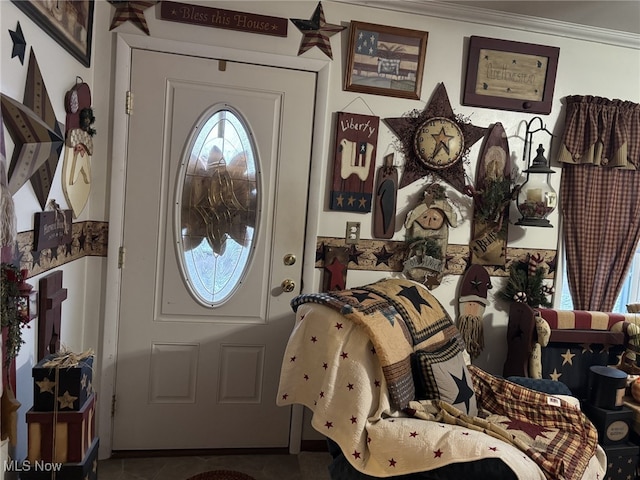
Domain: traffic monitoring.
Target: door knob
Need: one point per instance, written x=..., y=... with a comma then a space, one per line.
x=288, y=285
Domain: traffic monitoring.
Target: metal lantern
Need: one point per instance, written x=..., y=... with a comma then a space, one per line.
x=536, y=197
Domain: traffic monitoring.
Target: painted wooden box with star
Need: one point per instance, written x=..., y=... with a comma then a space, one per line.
x=87, y=469
x=66, y=388
x=63, y=437
x=622, y=461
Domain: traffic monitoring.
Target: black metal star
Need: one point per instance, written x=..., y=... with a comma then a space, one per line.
x=19, y=43
x=405, y=128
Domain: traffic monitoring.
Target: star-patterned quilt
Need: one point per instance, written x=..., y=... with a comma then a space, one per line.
x=332, y=367
x=400, y=317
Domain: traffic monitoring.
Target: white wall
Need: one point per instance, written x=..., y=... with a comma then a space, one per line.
x=585, y=67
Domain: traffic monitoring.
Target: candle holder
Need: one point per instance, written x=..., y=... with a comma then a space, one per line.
x=536, y=197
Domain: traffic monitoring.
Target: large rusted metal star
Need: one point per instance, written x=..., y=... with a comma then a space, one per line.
x=405, y=128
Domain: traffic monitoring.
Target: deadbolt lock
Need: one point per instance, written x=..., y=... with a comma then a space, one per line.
x=289, y=259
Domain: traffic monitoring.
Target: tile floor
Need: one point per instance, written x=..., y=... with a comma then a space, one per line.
x=304, y=466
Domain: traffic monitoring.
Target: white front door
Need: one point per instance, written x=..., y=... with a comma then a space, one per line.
x=204, y=319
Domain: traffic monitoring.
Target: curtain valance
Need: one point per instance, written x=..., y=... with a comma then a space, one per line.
x=601, y=132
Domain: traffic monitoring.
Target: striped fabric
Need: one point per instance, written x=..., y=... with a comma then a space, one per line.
x=584, y=320
x=400, y=317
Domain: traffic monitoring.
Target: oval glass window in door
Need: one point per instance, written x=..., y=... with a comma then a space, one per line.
x=216, y=206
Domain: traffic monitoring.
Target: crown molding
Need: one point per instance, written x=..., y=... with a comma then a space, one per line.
x=470, y=14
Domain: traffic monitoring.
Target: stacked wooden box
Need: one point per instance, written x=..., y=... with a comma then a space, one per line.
x=613, y=420
x=62, y=441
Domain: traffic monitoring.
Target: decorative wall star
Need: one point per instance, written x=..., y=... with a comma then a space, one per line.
x=406, y=126
x=19, y=43
x=316, y=32
x=37, y=99
x=127, y=11
x=34, y=141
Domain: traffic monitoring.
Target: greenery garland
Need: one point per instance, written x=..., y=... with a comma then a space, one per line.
x=526, y=285
x=10, y=318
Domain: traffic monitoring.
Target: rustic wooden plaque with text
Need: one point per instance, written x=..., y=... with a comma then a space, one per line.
x=219, y=18
x=51, y=229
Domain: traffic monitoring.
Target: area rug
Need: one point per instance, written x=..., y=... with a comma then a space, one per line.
x=221, y=475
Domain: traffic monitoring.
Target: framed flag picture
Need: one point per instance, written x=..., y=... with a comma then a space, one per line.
x=385, y=60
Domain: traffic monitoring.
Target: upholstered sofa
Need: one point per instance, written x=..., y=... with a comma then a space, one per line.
x=563, y=344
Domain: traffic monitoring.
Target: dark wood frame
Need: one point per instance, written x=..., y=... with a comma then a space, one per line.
x=58, y=31
x=507, y=102
x=422, y=37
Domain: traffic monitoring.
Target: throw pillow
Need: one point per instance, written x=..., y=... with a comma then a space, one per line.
x=442, y=374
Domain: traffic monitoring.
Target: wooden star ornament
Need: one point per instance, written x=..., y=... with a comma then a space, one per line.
x=407, y=129
x=316, y=32
x=133, y=12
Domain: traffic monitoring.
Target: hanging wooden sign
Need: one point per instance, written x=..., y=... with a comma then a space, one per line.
x=51, y=229
x=384, y=220
x=219, y=18
x=354, y=161
x=492, y=196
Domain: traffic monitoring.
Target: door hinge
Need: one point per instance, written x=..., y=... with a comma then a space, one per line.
x=121, y=253
x=129, y=103
x=113, y=405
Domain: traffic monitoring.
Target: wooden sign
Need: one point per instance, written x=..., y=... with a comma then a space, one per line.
x=490, y=227
x=51, y=229
x=384, y=220
x=354, y=161
x=219, y=18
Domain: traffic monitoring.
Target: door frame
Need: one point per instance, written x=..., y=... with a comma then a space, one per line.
x=124, y=46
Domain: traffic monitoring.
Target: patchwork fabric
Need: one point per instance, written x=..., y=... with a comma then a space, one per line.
x=399, y=316
x=558, y=437
x=443, y=375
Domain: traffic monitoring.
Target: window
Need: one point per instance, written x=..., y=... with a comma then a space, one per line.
x=216, y=206
x=630, y=292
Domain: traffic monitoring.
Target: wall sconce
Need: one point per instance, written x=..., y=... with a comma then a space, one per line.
x=536, y=197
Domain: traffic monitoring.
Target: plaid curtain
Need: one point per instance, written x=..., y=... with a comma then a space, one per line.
x=601, y=220
x=601, y=132
x=600, y=206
